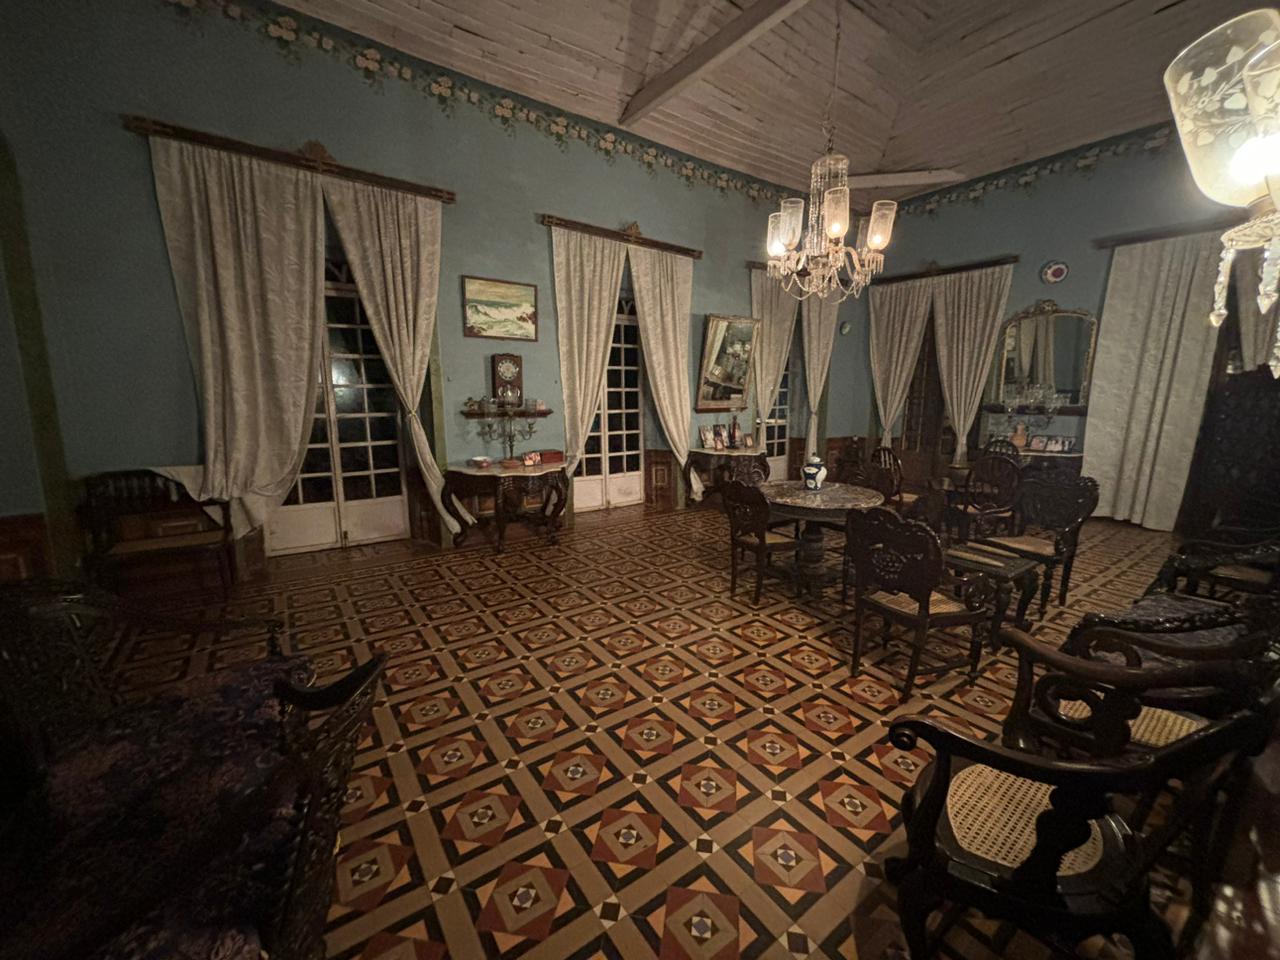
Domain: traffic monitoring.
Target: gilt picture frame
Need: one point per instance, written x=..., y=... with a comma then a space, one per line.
x=726, y=363
x=499, y=309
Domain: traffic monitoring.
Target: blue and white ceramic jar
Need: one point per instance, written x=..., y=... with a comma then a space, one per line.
x=814, y=473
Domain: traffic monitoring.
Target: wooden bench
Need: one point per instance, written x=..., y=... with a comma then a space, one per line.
x=138, y=515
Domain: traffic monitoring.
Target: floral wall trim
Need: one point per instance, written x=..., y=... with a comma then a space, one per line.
x=1081, y=161
x=294, y=36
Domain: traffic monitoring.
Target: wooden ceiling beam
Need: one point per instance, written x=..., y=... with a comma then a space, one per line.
x=738, y=34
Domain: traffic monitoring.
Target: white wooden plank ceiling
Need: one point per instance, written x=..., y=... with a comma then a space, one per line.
x=970, y=85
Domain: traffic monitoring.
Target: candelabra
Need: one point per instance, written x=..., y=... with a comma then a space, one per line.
x=497, y=422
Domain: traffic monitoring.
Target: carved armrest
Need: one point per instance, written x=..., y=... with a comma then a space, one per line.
x=1191, y=621
x=977, y=591
x=334, y=694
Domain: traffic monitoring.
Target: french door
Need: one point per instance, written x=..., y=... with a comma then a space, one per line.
x=351, y=486
x=775, y=429
x=611, y=471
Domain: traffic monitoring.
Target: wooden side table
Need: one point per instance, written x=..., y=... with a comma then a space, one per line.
x=720, y=462
x=508, y=486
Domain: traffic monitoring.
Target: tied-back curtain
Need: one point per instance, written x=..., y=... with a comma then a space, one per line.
x=968, y=312
x=1150, y=378
x=246, y=248
x=899, y=317
x=664, y=298
x=1257, y=329
x=819, y=319
x=588, y=276
x=776, y=311
x=392, y=241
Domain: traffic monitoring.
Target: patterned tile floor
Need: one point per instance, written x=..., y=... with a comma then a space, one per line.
x=592, y=750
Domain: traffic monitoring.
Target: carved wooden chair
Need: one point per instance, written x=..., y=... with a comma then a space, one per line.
x=986, y=497
x=1240, y=560
x=136, y=515
x=885, y=472
x=750, y=531
x=899, y=575
x=1044, y=843
x=1048, y=514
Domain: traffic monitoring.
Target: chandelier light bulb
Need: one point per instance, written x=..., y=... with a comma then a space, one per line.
x=792, y=222
x=835, y=212
x=774, y=243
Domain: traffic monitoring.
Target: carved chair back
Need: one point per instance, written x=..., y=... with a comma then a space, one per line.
x=1058, y=503
x=752, y=471
x=747, y=510
x=1003, y=447
x=886, y=459
x=849, y=463
x=892, y=553
x=992, y=483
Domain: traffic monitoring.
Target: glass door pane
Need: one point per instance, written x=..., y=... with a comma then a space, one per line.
x=611, y=471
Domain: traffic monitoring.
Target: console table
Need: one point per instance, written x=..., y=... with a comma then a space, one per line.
x=508, y=486
x=752, y=460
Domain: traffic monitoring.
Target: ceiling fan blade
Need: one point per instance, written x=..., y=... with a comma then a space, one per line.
x=903, y=178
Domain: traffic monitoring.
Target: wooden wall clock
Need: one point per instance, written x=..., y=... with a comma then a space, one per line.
x=508, y=378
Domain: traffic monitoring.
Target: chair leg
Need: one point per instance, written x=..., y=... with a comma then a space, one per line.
x=886, y=630
x=975, y=649
x=733, y=569
x=760, y=564
x=917, y=648
x=855, y=662
x=915, y=903
x=1067, y=563
x=1046, y=587
x=844, y=582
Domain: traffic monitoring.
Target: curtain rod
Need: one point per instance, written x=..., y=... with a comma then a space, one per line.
x=1216, y=225
x=630, y=235
x=313, y=156
x=940, y=271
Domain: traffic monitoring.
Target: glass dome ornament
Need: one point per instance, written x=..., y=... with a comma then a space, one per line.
x=1225, y=93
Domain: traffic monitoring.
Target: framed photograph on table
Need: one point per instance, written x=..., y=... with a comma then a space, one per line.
x=1038, y=443
x=706, y=437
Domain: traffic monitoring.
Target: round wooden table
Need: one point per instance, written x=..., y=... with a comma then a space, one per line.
x=818, y=509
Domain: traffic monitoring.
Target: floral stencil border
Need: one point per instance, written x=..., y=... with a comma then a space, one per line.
x=292, y=34
x=1082, y=160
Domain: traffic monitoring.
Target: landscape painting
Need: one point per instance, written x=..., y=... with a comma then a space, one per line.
x=499, y=309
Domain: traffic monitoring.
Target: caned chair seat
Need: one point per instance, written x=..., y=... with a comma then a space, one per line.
x=939, y=603
x=1243, y=573
x=908, y=498
x=1042, y=548
x=1152, y=727
x=181, y=541
x=973, y=510
x=771, y=538
x=992, y=815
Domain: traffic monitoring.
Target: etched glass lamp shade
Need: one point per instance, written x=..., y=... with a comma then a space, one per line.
x=1206, y=87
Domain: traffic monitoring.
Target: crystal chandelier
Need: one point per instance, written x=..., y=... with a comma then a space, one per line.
x=816, y=261
x=1225, y=94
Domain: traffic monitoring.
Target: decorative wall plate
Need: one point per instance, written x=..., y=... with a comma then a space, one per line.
x=845, y=328
x=1054, y=271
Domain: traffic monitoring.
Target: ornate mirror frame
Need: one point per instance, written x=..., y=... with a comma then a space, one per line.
x=709, y=341
x=1044, y=309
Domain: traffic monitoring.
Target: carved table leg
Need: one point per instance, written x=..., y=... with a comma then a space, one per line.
x=504, y=488
x=557, y=487
x=446, y=498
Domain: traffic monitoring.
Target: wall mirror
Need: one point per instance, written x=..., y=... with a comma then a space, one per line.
x=1044, y=358
x=726, y=363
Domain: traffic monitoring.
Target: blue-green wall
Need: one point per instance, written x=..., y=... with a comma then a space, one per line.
x=19, y=482
x=119, y=361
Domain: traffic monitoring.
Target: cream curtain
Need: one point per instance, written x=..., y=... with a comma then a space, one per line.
x=664, y=299
x=1036, y=350
x=588, y=275
x=968, y=312
x=1154, y=360
x=1257, y=329
x=392, y=241
x=899, y=317
x=246, y=248
x=820, y=317
x=776, y=311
